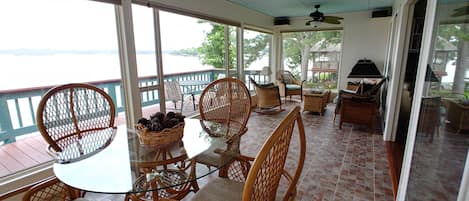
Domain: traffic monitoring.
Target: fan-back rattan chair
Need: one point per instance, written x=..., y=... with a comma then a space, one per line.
x=51, y=189
x=174, y=94
x=261, y=180
x=268, y=98
x=227, y=101
x=76, y=120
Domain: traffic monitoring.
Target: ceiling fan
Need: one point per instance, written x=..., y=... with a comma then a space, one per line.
x=319, y=17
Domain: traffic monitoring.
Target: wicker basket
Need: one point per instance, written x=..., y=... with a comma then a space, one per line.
x=165, y=137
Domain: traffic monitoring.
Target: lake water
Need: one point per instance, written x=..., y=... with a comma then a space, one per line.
x=24, y=71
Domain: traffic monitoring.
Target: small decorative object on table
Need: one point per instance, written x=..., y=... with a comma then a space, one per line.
x=161, y=129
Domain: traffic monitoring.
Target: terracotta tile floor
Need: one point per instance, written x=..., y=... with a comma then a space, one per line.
x=348, y=164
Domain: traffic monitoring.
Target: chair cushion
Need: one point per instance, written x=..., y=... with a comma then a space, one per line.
x=209, y=157
x=293, y=86
x=220, y=189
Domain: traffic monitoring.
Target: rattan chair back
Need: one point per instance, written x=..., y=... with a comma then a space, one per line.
x=264, y=176
x=50, y=189
x=226, y=100
x=70, y=112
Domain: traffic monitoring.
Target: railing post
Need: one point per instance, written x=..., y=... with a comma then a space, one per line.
x=112, y=93
x=5, y=121
x=212, y=75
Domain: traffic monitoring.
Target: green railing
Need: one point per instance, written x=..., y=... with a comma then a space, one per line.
x=18, y=106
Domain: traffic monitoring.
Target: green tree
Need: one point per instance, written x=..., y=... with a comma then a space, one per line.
x=212, y=51
x=297, y=48
x=457, y=34
x=255, y=48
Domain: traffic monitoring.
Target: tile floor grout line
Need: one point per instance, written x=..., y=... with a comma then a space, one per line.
x=343, y=162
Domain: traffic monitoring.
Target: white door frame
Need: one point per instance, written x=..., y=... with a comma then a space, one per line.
x=398, y=60
x=418, y=93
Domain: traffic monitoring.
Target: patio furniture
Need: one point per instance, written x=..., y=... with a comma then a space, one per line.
x=316, y=102
x=76, y=120
x=173, y=93
x=360, y=106
x=156, y=178
x=458, y=115
x=289, y=85
x=226, y=101
x=193, y=87
x=260, y=180
x=128, y=167
x=429, y=118
x=48, y=189
x=268, y=98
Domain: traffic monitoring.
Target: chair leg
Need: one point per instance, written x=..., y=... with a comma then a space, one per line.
x=182, y=104
x=193, y=100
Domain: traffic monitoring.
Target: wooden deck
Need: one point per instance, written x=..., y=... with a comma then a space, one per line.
x=23, y=154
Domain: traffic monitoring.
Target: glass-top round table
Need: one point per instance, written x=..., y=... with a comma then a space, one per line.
x=126, y=166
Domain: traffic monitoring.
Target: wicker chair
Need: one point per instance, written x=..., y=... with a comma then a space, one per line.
x=76, y=120
x=289, y=85
x=173, y=93
x=172, y=166
x=268, y=98
x=261, y=180
x=49, y=189
x=226, y=101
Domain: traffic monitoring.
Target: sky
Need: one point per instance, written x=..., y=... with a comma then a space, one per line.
x=85, y=25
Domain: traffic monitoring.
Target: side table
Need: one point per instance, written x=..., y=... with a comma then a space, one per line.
x=316, y=102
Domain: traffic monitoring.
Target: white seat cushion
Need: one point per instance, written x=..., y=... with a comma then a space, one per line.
x=220, y=189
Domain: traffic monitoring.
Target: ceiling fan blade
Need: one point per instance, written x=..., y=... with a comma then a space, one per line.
x=331, y=21
x=333, y=18
x=309, y=22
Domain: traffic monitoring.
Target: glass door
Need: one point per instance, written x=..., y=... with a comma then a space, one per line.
x=439, y=136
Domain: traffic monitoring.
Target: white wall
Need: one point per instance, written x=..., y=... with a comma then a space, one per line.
x=363, y=36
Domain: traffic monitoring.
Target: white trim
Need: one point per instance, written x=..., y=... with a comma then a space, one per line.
x=240, y=52
x=128, y=61
x=463, y=194
x=417, y=98
x=25, y=177
x=159, y=58
x=398, y=71
x=226, y=64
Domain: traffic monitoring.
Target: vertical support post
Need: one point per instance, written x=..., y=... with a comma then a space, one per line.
x=128, y=61
x=159, y=59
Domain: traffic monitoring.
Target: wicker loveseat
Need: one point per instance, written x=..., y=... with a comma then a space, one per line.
x=359, y=107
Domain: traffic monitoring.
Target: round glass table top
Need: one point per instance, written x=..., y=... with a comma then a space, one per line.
x=126, y=166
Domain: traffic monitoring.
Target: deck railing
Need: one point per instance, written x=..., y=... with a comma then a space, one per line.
x=18, y=106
